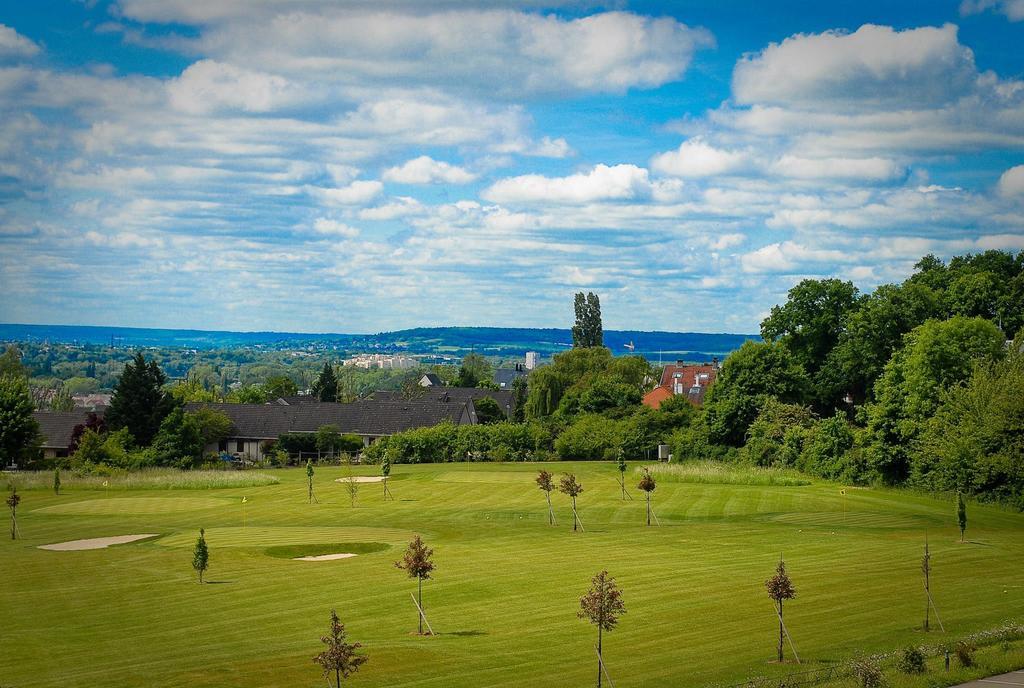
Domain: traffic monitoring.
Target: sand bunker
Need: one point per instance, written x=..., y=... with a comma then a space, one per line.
x=325, y=557
x=96, y=543
x=361, y=479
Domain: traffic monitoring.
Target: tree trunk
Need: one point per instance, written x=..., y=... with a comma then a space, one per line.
x=927, y=604
x=782, y=630
x=573, y=516
x=420, y=610
x=648, y=508
x=337, y=678
x=622, y=484
x=551, y=516
x=600, y=659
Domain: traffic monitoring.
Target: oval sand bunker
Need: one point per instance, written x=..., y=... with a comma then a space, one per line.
x=326, y=557
x=95, y=543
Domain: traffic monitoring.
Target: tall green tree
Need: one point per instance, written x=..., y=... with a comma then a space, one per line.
x=417, y=563
x=10, y=363
x=588, y=330
x=139, y=402
x=519, y=392
x=751, y=375
x=475, y=369
x=812, y=320
x=961, y=514
x=19, y=431
x=602, y=606
x=326, y=386
x=340, y=657
x=280, y=386
x=488, y=411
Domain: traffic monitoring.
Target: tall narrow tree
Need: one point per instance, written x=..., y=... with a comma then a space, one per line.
x=385, y=472
x=622, y=474
x=13, y=501
x=201, y=555
x=588, y=330
x=647, y=484
x=571, y=487
x=56, y=481
x=780, y=588
x=545, y=483
x=340, y=657
x=602, y=606
x=326, y=386
x=961, y=514
x=926, y=570
x=417, y=564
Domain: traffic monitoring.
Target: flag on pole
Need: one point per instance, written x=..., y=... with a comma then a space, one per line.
x=842, y=492
x=246, y=499
x=106, y=484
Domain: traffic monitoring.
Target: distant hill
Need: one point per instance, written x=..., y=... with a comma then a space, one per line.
x=456, y=341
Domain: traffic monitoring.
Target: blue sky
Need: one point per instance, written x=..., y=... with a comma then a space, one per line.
x=347, y=166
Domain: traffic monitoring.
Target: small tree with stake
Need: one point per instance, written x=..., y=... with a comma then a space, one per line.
x=340, y=657
x=780, y=588
x=602, y=606
x=622, y=474
x=417, y=564
x=647, y=484
x=13, y=501
x=545, y=483
x=569, y=486
x=201, y=555
x=56, y=481
x=309, y=481
x=385, y=471
x=961, y=514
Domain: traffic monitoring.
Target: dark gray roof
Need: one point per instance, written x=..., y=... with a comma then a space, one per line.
x=504, y=377
x=433, y=379
x=296, y=399
x=365, y=417
x=448, y=395
x=56, y=426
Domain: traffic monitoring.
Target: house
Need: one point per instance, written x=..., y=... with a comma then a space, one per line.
x=504, y=377
x=504, y=398
x=682, y=378
x=56, y=428
x=254, y=425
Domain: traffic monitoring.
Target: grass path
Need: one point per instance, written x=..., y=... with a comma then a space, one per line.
x=507, y=584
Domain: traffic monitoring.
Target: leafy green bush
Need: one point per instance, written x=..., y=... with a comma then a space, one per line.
x=964, y=651
x=911, y=661
x=589, y=438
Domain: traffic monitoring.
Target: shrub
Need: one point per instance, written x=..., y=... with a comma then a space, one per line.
x=911, y=661
x=867, y=672
x=827, y=447
x=964, y=651
x=588, y=439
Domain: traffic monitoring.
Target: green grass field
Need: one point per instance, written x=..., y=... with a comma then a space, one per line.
x=507, y=585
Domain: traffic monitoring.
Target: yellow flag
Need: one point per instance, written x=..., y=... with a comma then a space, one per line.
x=244, y=500
x=842, y=492
x=106, y=484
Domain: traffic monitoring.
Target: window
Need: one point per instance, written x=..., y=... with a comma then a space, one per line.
x=240, y=446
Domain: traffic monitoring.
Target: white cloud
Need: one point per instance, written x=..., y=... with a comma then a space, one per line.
x=324, y=225
x=865, y=169
x=1011, y=183
x=207, y=86
x=724, y=241
x=426, y=170
x=876, y=64
x=1013, y=9
x=357, y=193
x=696, y=158
x=602, y=183
x=507, y=52
x=13, y=44
x=402, y=206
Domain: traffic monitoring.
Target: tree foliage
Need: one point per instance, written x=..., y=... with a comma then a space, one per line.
x=139, y=402
x=326, y=386
x=201, y=555
x=19, y=431
x=588, y=330
x=340, y=657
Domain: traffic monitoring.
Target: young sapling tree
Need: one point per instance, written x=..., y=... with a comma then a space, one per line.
x=602, y=606
x=545, y=483
x=571, y=487
x=56, y=481
x=647, y=484
x=417, y=564
x=201, y=555
x=961, y=514
x=621, y=464
x=780, y=588
x=309, y=482
x=926, y=570
x=13, y=501
x=340, y=657
x=385, y=471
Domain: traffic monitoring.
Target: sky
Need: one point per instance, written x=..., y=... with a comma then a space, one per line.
x=361, y=166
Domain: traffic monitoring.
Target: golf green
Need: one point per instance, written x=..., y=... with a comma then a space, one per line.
x=506, y=589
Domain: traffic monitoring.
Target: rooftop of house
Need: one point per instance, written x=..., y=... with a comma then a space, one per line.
x=56, y=427
x=447, y=395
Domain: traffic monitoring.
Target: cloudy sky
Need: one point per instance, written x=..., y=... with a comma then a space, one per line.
x=358, y=165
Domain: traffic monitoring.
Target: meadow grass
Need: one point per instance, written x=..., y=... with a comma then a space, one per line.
x=718, y=473
x=504, y=595
x=145, y=479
